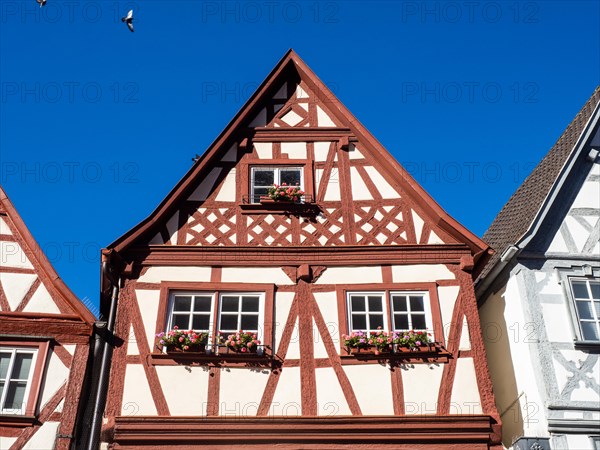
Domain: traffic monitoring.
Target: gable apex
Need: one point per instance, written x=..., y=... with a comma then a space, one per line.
x=31, y=285
x=293, y=76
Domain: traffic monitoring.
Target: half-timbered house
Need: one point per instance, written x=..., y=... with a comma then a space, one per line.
x=44, y=343
x=360, y=247
x=540, y=297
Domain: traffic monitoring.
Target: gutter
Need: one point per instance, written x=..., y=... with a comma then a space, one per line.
x=511, y=252
x=106, y=347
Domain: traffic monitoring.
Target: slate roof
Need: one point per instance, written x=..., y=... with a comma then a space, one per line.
x=517, y=215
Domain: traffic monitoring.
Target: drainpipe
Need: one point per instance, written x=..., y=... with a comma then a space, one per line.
x=107, y=344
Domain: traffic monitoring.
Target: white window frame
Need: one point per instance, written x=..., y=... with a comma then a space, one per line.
x=14, y=350
x=215, y=316
x=276, y=177
x=192, y=294
x=427, y=309
x=349, y=295
x=596, y=317
x=261, y=310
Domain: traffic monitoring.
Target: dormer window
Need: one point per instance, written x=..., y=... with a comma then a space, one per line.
x=264, y=177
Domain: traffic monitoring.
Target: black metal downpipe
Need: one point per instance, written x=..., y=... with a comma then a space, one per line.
x=107, y=348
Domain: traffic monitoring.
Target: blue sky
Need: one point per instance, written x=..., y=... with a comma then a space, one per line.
x=97, y=124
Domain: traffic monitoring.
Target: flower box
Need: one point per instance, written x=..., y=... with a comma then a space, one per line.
x=225, y=350
x=368, y=351
x=196, y=349
x=268, y=200
x=424, y=348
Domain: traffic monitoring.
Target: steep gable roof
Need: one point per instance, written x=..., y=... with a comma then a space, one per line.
x=519, y=213
x=31, y=261
x=292, y=63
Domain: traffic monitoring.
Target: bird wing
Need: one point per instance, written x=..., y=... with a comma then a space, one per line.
x=130, y=25
x=129, y=15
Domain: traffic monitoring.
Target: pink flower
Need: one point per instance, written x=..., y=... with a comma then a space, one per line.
x=244, y=349
x=181, y=339
x=176, y=327
x=185, y=347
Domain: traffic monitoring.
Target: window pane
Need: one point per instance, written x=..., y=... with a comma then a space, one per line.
x=250, y=304
x=260, y=191
x=375, y=320
x=229, y=303
x=22, y=364
x=4, y=361
x=289, y=176
x=15, y=395
x=580, y=289
x=416, y=303
x=357, y=303
x=1, y=388
x=595, y=290
x=181, y=321
x=400, y=322
x=590, y=332
x=229, y=322
x=375, y=303
x=399, y=303
x=584, y=309
x=200, y=322
x=597, y=305
x=359, y=322
x=182, y=303
x=263, y=177
x=249, y=323
x=202, y=303
x=418, y=322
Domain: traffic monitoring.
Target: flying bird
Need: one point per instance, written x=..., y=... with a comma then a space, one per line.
x=41, y=2
x=128, y=19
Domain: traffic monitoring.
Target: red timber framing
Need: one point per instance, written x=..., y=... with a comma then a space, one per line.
x=22, y=326
x=220, y=235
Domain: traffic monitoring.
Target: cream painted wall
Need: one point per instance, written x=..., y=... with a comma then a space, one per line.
x=185, y=389
x=371, y=401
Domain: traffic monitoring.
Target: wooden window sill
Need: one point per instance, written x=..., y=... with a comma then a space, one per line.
x=17, y=420
x=212, y=360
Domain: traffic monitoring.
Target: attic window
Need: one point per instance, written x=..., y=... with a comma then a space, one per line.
x=264, y=177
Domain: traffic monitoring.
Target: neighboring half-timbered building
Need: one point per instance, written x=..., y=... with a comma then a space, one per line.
x=540, y=297
x=44, y=343
x=360, y=247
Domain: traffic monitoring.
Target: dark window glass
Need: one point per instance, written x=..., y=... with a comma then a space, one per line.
x=375, y=320
x=250, y=323
x=264, y=177
x=400, y=321
x=250, y=304
x=416, y=303
x=181, y=321
x=399, y=303
x=580, y=289
x=229, y=304
x=590, y=332
x=595, y=290
x=358, y=303
x=585, y=310
x=200, y=322
x=418, y=322
x=290, y=176
x=202, y=304
x=229, y=322
x=359, y=322
x=375, y=303
x=182, y=303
